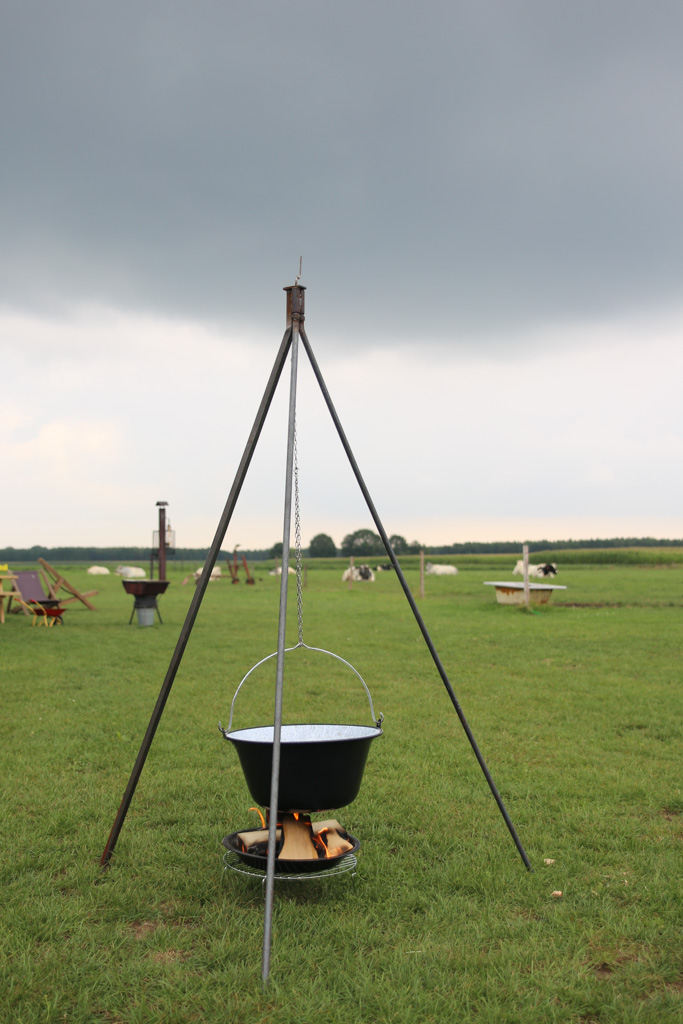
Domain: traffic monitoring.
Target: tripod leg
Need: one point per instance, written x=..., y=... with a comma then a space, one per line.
x=411, y=601
x=200, y=590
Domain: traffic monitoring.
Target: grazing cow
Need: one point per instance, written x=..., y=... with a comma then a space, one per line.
x=358, y=574
x=440, y=570
x=384, y=568
x=215, y=573
x=278, y=571
x=98, y=570
x=549, y=569
x=130, y=572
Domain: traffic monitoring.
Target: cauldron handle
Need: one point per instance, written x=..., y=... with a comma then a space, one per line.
x=321, y=650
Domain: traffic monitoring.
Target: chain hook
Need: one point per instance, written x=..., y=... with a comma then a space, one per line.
x=297, y=542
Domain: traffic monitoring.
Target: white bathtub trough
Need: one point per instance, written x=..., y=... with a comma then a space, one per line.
x=513, y=593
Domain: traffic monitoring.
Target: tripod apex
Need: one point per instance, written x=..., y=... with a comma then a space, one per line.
x=295, y=301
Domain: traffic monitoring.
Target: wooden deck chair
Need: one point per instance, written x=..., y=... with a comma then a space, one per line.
x=29, y=594
x=58, y=582
x=27, y=588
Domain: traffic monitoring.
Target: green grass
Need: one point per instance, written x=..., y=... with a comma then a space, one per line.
x=577, y=709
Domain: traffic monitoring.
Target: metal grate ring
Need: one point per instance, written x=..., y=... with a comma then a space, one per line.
x=231, y=862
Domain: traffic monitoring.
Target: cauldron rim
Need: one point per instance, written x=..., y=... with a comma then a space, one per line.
x=314, y=732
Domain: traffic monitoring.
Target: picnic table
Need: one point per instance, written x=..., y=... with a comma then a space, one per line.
x=6, y=593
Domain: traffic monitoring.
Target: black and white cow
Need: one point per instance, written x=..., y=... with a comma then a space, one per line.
x=548, y=569
x=359, y=573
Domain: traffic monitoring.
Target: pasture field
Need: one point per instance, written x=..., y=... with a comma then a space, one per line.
x=577, y=708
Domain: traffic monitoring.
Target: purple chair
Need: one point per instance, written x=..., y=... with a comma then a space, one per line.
x=30, y=592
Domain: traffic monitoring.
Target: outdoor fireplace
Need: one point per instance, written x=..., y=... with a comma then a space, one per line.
x=146, y=592
x=320, y=767
x=302, y=845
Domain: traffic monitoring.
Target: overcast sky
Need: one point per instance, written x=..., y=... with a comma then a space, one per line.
x=487, y=199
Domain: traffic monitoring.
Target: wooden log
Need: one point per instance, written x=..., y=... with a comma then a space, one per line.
x=333, y=836
x=298, y=844
x=331, y=824
x=257, y=836
x=335, y=844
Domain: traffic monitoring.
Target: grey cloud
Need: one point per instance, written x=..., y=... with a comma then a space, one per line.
x=445, y=168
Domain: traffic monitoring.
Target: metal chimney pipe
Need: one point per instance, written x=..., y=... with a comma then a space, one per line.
x=162, y=539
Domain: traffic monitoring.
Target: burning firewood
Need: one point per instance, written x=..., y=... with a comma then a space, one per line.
x=298, y=844
x=335, y=844
x=332, y=824
x=258, y=836
x=299, y=839
x=333, y=837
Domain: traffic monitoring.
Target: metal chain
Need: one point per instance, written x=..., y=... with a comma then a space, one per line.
x=297, y=541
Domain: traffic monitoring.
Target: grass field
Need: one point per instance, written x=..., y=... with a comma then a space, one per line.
x=577, y=708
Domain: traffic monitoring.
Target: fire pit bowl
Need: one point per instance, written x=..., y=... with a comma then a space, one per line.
x=145, y=588
x=321, y=766
x=255, y=860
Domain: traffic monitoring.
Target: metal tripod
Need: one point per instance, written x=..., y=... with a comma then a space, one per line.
x=293, y=332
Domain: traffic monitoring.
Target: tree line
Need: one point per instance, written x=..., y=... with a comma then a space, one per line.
x=121, y=553
x=366, y=543
x=511, y=547
x=360, y=544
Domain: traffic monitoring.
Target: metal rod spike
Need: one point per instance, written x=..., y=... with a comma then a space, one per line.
x=295, y=312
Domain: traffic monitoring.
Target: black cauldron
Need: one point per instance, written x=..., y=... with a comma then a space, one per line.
x=321, y=766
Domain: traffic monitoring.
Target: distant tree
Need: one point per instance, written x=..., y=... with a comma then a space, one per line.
x=399, y=544
x=363, y=543
x=415, y=548
x=276, y=552
x=322, y=546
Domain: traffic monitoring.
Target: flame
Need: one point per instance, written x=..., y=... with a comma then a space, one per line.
x=320, y=842
x=263, y=820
